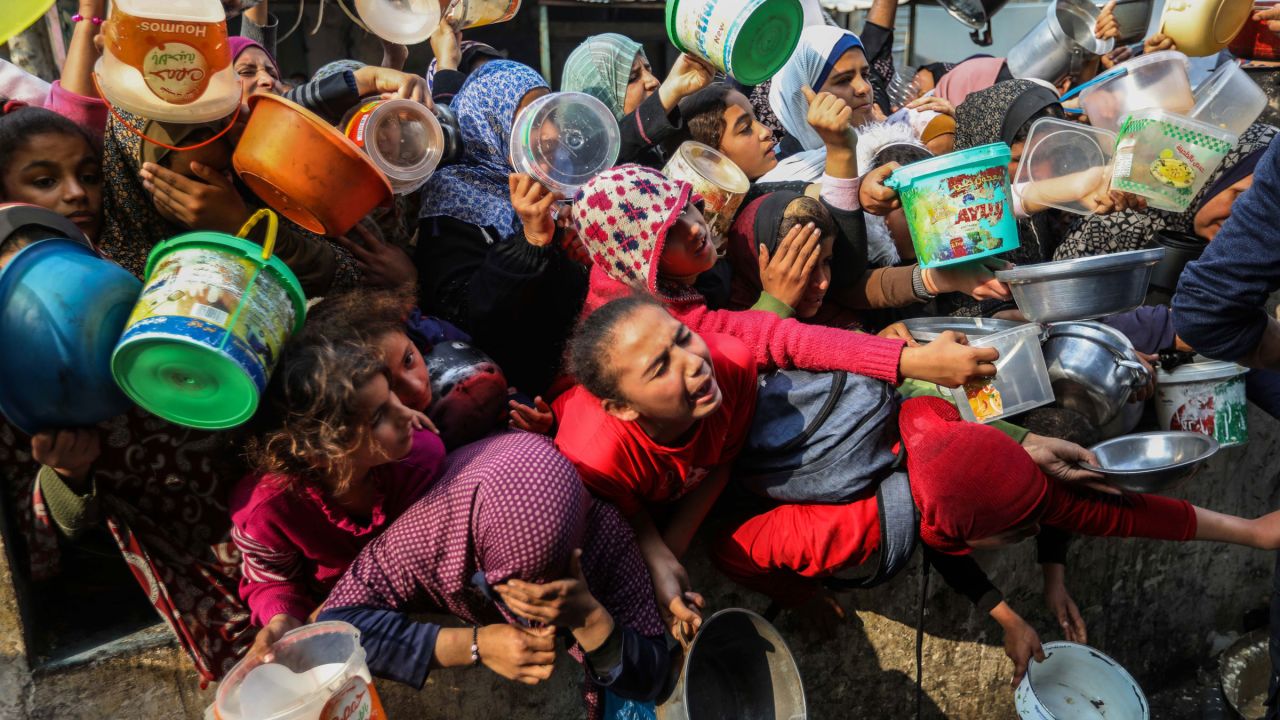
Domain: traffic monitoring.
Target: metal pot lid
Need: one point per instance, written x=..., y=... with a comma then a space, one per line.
x=1108, y=337
x=970, y=12
x=1079, y=267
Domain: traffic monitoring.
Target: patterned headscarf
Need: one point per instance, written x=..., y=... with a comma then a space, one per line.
x=999, y=112
x=1134, y=229
x=623, y=216
x=601, y=67
x=475, y=189
x=819, y=49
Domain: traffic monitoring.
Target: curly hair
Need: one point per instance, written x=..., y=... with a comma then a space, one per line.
x=311, y=424
x=588, y=351
x=362, y=314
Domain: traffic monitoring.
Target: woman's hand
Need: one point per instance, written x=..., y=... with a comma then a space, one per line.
x=526, y=655
x=532, y=202
x=537, y=419
x=829, y=116
x=381, y=263
x=392, y=84
x=1021, y=643
x=1115, y=57
x=688, y=75
x=446, y=44
x=874, y=197
x=1061, y=604
x=1107, y=27
x=899, y=331
x=977, y=280
x=1061, y=459
x=786, y=274
x=214, y=204
x=1158, y=42
x=679, y=604
x=275, y=629
x=932, y=103
x=948, y=361
x=71, y=453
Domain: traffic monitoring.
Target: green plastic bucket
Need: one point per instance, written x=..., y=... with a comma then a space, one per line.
x=207, y=330
x=750, y=40
x=957, y=205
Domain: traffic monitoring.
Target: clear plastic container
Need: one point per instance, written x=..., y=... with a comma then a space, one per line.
x=1229, y=99
x=168, y=60
x=319, y=671
x=563, y=140
x=720, y=182
x=407, y=22
x=1021, y=381
x=1167, y=158
x=401, y=137
x=477, y=13
x=1063, y=163
x=1158, y=80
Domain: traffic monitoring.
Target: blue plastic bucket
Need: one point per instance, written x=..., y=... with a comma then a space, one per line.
x=62, y=308
x=957, y=206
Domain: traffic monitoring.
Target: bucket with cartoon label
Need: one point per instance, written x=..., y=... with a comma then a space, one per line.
x=209, y=326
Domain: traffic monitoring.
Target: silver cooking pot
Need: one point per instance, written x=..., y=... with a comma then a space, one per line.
x=738, y=666
x=1093, y=369
x=1060, y=45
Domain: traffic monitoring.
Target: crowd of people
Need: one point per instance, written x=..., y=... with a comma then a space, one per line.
x=651, y=378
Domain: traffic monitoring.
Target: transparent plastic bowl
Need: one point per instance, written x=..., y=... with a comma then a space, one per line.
x=1063, y=163
x=407, y=22
x=1158, y=80
x=1021, y=381
x=1229, y=99
x=563, y=140
x=403, y=138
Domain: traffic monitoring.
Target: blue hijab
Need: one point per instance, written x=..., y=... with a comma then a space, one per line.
x=475, y=190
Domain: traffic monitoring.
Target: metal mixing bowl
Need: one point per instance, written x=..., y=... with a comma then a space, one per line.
x=1153, y=461
x=1084, y=288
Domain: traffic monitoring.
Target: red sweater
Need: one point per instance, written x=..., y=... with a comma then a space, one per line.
x=620, y=463
x=773, y=342
x=295, y=544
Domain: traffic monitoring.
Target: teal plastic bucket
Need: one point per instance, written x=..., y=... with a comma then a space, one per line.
x=957, y=205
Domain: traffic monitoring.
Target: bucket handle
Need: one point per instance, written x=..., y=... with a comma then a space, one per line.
x=273, y=224
x=234, y=116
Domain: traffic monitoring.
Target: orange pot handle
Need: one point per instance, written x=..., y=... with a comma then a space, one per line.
x=235, y=116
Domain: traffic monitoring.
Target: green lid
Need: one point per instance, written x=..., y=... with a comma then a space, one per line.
x=672, y=35
x=765, y=41
x=185, y=382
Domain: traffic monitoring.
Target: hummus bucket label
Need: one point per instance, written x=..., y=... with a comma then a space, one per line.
x=175, y=72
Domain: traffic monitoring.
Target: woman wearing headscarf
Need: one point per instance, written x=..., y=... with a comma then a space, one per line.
x=613, y=69
x=1135, y=229
x=515, y=292
x=970, y=76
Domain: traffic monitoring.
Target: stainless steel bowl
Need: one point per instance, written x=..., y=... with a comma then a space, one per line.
x=927, y=329
x=1093, y=368
x=1154, y=461
x=1084, y=288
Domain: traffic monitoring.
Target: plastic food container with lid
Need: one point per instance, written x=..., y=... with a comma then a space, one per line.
x=1063, y=163
x=1167, y=158
x=1229, y=99
x=402, y=138
x=749, y=40
x=168, y=60
x=477, y=13
x=564, y=139
x=715, y=177
x=1207, y=397
x=1203, y=27
x=407, y=22
x=1021, y=381
x=1158, y=80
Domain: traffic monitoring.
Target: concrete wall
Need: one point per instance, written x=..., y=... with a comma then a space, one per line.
x=1158, y=608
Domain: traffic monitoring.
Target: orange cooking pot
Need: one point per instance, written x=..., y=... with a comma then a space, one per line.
x=306, y=169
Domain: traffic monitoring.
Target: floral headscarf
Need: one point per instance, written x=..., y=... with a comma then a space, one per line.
x=601, y=67
x=475, y=190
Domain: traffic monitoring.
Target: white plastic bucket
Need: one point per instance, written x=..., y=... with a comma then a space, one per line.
x=1076, y=682
x=1021, y=381
x=1205, y=397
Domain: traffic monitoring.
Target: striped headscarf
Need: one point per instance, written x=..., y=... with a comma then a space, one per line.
x=601, y=67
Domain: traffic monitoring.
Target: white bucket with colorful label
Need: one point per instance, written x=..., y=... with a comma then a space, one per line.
x=1205, y=397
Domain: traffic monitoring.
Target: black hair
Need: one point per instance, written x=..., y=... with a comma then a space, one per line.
x=703, y=113
x=900, y=152
x=18, y=125
x=589, y=347
x=804, y=210
x=24, y=236
x=1053, y=111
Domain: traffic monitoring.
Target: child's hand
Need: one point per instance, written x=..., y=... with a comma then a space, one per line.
x=830, y=117
x=933, y=103
x=1107, y=26
x=391, y=84
x=948, y=361
x=688, y=75
x=532, y=202
x=973, y=279
x=381, y=263
x=260, y=651
x=1271, y=17
x=1021, y=643
x=1061, y=605
x=1159, y=42
x=899, y=331
x=537, y=419
x=446, y=45
x=213, y=204
x=566, y=603
x=420, y=421
x=786, y=275
x=874, y=197
x=71, y=453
